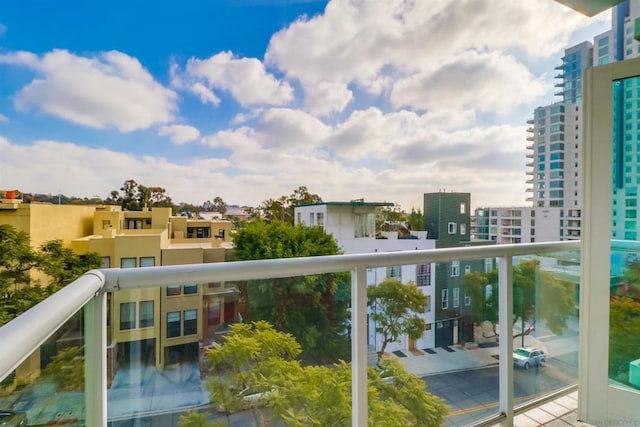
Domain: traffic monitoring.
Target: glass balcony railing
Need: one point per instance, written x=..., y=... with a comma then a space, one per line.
x=128, y=347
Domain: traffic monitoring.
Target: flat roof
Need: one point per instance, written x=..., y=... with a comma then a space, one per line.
x=353, y=203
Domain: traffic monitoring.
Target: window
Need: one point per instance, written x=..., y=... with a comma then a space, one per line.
x=106, y=224
x=190, y=288
x=320, y=219
x=173, y=324
x=423, y=274
x=488, y=264
x=467, y=300
x=312, y=218
x=445, y=299
x=105, y=262
x=455, y=268
x=190, y=322
x=221, y=233
x=173, y=290
x=453, y=227
x=463, y=208
x=463, y=229
x=456, y=297
x=394, y=272
x=298, y=217
x=198, y=232
x=127, y=263
x=127, y=315
x=146, y=314
x=428, y=309
x=147, y=261
x=467, y=269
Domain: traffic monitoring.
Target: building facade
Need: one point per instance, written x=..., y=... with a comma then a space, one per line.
x=353, y=225
x=516, y=224
x=448, y=221
x=160, y=326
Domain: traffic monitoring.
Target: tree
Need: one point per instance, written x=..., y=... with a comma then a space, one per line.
x=312, y=308
x=282, y=208
x=63, y=265
x=18, y=292
x=219, y=205
x=415, y=219
x=397, y=310
x=67, y=369
x=257, y=357
x=536, y=295
x=136, y=196
x=624, y=324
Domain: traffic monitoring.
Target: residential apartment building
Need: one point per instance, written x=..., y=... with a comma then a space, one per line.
x=353, y=225
x=517, y=224
x=160, y=326
x=154, y=325
x=448, y=221
x=555, y=134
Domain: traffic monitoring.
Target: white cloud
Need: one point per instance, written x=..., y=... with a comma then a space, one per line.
x=205, y=94
x=4, y=119
x=245, y=78
x=180, y=134
x=110, y=90
x=327, y=97
x=487, y=82
x=374, y=43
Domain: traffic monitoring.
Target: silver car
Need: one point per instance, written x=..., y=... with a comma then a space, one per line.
x=525, y=357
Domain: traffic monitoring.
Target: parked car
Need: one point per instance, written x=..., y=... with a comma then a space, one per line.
x=525, y=357
x=249, y=399
x=13, y=419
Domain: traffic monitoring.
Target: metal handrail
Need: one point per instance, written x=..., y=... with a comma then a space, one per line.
x=131, y=278
x=28, y=331
x=24, y=334
x=20, y=337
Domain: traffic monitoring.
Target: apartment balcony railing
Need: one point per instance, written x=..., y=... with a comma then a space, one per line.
x=494, y=394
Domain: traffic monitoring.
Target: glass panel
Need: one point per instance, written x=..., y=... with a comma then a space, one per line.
x=624, y=306
x=48, y=387
x=545, y=323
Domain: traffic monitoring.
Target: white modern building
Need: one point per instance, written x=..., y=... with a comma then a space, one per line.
x=353, y=225
x=517, y=224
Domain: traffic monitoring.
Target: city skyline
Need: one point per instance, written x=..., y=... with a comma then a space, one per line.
x=248, y=100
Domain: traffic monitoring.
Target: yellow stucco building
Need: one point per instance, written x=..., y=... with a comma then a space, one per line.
x=148, y=326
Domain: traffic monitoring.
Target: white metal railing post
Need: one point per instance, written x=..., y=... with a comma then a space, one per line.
x=359, y=381
x=505, y=308
x=95, y=367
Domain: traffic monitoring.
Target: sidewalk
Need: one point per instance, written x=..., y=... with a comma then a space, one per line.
x=472, y=357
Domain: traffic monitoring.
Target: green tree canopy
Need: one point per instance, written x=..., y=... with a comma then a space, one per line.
x=18, y=292
x=282, y=208
x=537, y=294
x=134, y=196
x=259, y=359
x=397, y=309
x=312, y=308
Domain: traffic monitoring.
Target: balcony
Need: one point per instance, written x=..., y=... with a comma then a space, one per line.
x=530, y=121
x=165, y=377
x=530, y=129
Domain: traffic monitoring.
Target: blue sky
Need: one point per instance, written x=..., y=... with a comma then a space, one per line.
x=249, y=99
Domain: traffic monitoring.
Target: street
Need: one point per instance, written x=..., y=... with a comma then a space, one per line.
x=473, y=394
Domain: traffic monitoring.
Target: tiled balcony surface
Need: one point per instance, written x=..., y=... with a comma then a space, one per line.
x=559, y=413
